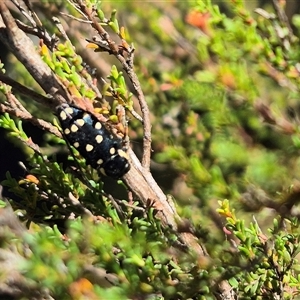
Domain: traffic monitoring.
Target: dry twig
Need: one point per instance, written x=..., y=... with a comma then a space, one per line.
x=127, y=64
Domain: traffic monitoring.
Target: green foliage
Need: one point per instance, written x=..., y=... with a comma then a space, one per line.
x=270, y=264
x=15, y=130
x=222, y=84
x=68, y=66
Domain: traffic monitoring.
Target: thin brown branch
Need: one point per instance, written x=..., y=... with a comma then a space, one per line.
x=100, y=276
x=128, y=68
x=15, y=108
x=145, y=188
x=74, y=18
x=16, y=86
x=36, y=27
x=281, y=123
x=23, y=48
x=279, y=8
x=26, y=14
x=74, y=201
x=42, y=34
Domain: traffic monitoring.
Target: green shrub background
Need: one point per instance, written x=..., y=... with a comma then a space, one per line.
x=222, y=83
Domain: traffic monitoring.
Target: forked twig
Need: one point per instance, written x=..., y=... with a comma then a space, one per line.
x=127, y=64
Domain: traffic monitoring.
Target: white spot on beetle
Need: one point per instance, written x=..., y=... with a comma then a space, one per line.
x=67, y=131
x=98, y=125
x=99, y=138
x=80, y=122
x=63, y=115
x=69, y=110
x=74, y=128
x=100, y=162
x=89, y=147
